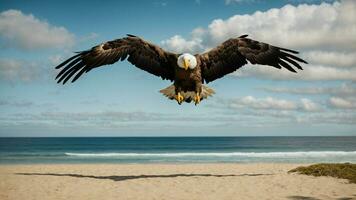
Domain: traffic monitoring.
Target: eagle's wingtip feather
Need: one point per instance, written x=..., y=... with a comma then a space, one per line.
x=243, y=36
x=130, y=35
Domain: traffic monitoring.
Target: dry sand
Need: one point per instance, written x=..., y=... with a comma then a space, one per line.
x=167, y=181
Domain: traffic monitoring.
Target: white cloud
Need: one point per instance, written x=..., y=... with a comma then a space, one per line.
x=178, y=44
x=309, y=105
x=330, y=58
x=276, y=110
x=342, y=103
x=106, y=119
x=19, y=70
x=160, y=3
x=302, y=26
x=309, y=1
x=55, y=59
x=23, y=70
x=27, y=32
x=263, y=103
x=348, y=118
x=272, y=104
x=345, y=89
x=16, y=103
x=329, y=26
x=228, y=2
x=324, y=33
x=310, y=72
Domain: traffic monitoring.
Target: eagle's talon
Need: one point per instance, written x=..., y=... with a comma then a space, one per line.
x=179, y=98
x=197, y=99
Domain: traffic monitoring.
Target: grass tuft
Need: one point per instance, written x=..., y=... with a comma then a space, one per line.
x=337, y=170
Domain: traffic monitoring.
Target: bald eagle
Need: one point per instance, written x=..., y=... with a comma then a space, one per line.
x=187, y=72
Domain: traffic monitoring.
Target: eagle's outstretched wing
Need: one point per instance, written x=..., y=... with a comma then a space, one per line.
x=234, y=53
x=141, y=53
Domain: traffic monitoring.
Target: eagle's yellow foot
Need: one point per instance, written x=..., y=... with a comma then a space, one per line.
x=179, y=98
x=197, y=98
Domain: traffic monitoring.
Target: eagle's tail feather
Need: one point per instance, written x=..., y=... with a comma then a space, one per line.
x=189, y=95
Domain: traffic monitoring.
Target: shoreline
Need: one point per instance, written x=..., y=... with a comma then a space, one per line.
x=167, y=181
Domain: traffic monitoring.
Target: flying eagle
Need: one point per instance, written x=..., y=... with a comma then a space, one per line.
x=188, y=72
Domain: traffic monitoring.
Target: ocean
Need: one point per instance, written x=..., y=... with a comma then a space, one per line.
x=177, y=150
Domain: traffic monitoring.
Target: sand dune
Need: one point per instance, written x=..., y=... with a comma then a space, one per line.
x=167, y=181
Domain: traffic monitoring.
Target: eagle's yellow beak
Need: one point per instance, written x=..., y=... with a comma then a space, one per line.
x=185, y=63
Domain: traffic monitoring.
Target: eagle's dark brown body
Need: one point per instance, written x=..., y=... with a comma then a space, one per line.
x=188, y=80
x=214, y=64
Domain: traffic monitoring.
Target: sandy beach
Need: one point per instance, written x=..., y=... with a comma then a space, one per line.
x=167, y=181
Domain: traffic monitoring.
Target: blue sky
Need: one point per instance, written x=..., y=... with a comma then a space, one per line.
x=121, y=100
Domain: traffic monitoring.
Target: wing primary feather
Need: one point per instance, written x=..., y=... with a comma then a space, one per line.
x=68, y=72
x=82, y=52
x=243, y=36
x=67, y=61
x=130, y=35
x=67, y=67
x=88, y=70
x=288, y=50
x=75, y=69
x=123, y=57
x=294, y=57
x=292, y=62
x=61, y=72
x=285, y=65
x=79, y=74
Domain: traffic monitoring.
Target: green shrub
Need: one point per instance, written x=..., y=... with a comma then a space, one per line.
x=342, y=170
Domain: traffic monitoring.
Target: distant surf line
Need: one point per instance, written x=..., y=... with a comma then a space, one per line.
x=222, y=154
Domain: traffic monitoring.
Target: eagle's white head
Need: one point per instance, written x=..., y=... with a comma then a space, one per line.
x=186, y=61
